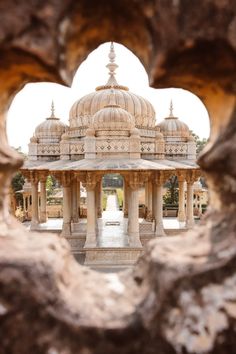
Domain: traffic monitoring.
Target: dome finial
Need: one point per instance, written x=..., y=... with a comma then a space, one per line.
x=171, y=109
x=52, y=116
x=52, y=110
x=112, y=66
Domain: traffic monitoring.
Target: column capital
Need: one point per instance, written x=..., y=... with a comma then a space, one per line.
x=34, y=178
x=137, y=179
x=43, y=176
x=192, y=175
x=65, y=179
x=181, y=175
x=160, y=177
x=90, y=181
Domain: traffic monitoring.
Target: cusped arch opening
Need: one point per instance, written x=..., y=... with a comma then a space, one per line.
x=159, y=143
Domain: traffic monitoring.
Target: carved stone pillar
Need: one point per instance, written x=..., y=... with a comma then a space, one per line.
x=158, y=200
x=24, y=203
x=148, y=198
x=126, y=198
x=154, y=202
x=98, y=197
x=100, y=200
x=91, y=211
x=66, y=187
x=74, y=201
x=181, y=211
x=35, y=202
x=78, y=197
x=133, y=222
x=189, y=204
x=43, y=200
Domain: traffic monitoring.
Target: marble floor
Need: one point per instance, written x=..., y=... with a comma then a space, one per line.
x=112, y=226
x=56, y=224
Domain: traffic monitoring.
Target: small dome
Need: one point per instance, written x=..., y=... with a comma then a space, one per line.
x=33, y=139
x=159, y=136
x=90, y=132
x=113, y=118
x=51, y=130
x=172, y=126
x=65, y=137
x=191, y=138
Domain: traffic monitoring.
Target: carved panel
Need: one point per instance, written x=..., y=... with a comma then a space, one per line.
x=48, y=149
x=108, y=145
x=77, y=148
x=176, y=149
x=147, y=147
x=114, y=256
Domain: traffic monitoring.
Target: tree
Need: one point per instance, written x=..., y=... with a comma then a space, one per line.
x=200, y=143
x=18, y=181
x=171, y=196
x=50, y=185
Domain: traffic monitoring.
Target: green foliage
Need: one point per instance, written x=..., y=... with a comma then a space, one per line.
x=17, y=182
x=104, y=201
x=17, y=185
x=120, y=196
x=50, y=185
x=172, y=195
x=112, y=180
x=200, y=143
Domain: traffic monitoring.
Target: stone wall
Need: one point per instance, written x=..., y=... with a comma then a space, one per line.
x=181, y=296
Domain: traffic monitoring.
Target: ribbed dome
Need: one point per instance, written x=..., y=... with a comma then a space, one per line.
x=51, y=130
x=172, y=126
x=113, y=118
x=141, y=109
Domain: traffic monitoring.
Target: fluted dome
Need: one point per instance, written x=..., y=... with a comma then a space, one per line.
x=141, y=109
x=113, y=118
x=172, y=126
x=51, y=130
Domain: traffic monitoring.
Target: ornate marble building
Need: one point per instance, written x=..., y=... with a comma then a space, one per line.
x=112, y=130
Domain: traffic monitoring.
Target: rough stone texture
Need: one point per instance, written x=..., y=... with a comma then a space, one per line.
x=181, y=297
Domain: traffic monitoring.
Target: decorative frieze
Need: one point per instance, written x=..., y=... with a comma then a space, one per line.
x=147, y=147
x=77, y=148
x=48, y=149
x=103, y=256
x=108, y=145
x=176, y=149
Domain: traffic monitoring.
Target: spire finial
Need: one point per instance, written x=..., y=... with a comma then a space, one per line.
x=112, y=66
x=171, y=108
x=52, y=110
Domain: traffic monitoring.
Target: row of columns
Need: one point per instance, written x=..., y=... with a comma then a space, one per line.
x=133, y=181
x=94, y=198
x=71, y=202
x=154, y=202
x=35, y=220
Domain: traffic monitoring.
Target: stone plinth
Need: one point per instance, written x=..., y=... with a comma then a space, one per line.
x=99, y=257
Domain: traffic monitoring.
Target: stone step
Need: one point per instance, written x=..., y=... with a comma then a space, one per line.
x=110, y=256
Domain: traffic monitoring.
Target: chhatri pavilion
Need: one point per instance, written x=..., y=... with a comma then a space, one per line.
x=112, y=130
